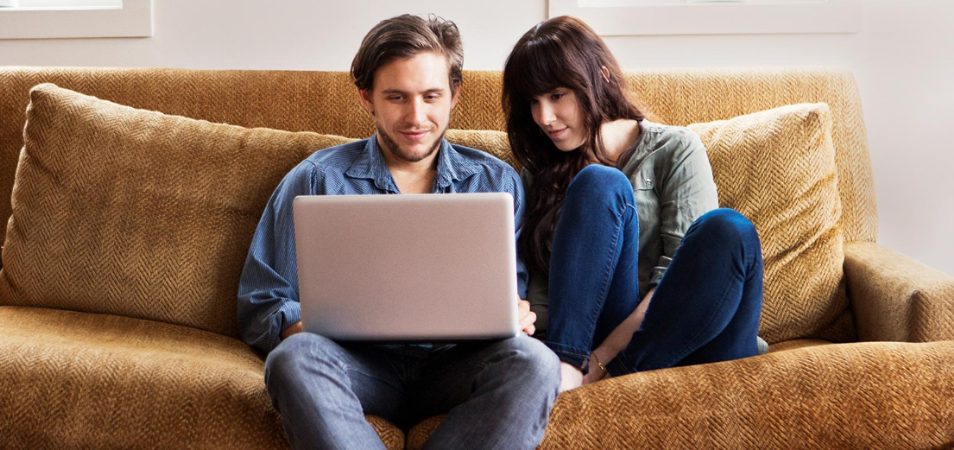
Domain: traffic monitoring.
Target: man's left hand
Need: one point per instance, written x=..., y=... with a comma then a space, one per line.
x=527, y=317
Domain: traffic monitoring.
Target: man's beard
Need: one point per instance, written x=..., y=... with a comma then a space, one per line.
x=392, y=147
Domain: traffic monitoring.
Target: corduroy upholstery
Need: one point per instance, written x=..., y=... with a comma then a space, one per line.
x=81, y=379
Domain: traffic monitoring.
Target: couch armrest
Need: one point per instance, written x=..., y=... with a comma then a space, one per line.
x=896, y=298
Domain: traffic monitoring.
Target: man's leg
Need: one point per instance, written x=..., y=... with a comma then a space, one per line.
x=323, y=390
x=497, y=394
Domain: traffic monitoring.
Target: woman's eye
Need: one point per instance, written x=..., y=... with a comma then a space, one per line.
x=556, y=96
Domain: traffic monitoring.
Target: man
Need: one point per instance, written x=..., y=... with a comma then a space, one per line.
x=496, y=394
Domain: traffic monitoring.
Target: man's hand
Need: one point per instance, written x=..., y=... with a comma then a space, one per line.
x=527, y=317
x=292, y=329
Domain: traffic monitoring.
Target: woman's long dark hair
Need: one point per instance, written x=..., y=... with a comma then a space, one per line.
x=560, y=52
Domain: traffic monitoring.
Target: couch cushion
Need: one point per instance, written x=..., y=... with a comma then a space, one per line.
x=100, y=381
x=862, y=395
x=93, y=380
x=778, y=168
x=132, y=212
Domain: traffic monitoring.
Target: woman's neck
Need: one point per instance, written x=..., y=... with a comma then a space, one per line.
x=618, y=136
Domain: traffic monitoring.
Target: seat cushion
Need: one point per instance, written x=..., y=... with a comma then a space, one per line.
x=777, y=167
x=102, y=381
x=861, y=395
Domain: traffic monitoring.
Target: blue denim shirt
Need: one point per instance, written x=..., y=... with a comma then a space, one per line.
x=268, y=289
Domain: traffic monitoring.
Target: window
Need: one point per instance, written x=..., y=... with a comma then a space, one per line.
x=43, y=19
x=669, y=17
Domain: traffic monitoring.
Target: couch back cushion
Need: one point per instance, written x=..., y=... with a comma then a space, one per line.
x=137, y=213
x=778, y=168
x=325, y=102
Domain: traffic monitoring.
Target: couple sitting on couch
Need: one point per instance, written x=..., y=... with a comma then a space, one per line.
x=610, y=199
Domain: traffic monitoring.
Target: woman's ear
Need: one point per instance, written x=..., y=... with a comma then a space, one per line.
x=606, y=73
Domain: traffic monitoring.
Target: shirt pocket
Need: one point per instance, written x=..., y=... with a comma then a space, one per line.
x=647, y=202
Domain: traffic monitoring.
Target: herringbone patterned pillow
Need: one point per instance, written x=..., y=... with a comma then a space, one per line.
x=778, y=168
x=131, y=212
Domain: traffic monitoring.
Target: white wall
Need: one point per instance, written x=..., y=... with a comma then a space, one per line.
x=901, y=58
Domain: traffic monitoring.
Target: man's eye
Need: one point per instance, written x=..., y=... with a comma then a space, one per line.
x=394, y=98
x=432, y=97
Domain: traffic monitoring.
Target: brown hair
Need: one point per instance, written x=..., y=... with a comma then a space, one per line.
x=405, y=36
x=560, y=52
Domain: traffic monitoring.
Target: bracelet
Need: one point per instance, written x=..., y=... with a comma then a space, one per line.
x=599, y=363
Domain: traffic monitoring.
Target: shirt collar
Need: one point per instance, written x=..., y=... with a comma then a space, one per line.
x=451, y=167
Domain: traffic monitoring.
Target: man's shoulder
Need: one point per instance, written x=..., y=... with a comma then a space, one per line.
x=483, y=159
x=337, y=158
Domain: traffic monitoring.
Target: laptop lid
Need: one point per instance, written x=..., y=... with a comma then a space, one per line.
x=409, y=267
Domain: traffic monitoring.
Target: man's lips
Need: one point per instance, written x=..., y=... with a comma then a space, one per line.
x=414, y=134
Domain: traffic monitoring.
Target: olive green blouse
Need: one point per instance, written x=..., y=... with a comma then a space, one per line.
x=672, y=184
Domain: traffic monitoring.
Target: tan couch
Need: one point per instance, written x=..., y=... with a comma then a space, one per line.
x=128, y=230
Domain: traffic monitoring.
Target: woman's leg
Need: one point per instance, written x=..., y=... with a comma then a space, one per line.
x=706, y=308
x=593, y=266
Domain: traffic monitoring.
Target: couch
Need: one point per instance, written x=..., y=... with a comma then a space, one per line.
x=129, y=197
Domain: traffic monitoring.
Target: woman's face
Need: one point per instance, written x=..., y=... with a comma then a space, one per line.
x=558, y=114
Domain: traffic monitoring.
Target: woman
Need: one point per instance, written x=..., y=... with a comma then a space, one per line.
x=628, y=252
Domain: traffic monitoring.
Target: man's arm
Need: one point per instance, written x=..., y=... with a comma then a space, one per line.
x=268, y=289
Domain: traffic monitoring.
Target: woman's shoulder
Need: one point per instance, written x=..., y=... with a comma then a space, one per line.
x=672, y=138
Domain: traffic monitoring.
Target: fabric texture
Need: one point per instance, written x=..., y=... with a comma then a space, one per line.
x=862, y=395
x=896, y=298
x=324, y=102
x=137, y=213
x=777, y=167
x=80, y=380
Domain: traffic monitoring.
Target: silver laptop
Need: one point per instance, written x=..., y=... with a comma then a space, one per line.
x=410, y=267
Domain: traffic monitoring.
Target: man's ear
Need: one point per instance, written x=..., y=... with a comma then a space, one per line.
x=606, y=73
x=455, y=96
x=364, y=97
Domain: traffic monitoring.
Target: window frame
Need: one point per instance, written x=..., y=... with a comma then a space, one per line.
x=695, y=17
x=132, y=19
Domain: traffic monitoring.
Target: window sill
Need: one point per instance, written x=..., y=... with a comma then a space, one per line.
x=134, y=19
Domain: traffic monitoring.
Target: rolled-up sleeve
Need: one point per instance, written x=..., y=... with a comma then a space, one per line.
x=268, y=288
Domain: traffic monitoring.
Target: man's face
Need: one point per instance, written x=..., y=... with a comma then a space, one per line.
x=411, y=102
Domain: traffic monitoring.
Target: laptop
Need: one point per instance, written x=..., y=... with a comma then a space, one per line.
x=408, y=267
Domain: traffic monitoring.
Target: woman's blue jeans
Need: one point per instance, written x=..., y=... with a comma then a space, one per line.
x=705, y=309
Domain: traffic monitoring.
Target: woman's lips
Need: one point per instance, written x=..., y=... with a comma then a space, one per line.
x=557, y=134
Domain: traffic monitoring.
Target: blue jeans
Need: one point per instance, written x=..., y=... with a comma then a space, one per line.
x=705, y=309
x=497, y=394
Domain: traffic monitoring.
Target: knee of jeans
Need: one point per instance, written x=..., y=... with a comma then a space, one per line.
x=727, y=225
x=597, y=183
x=285, y=359
x=536, y=360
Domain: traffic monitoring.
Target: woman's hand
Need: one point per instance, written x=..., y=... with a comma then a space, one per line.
x=527, y=317
x=617, y=341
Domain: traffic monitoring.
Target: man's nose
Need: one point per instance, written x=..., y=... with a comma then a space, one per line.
x=416, y=112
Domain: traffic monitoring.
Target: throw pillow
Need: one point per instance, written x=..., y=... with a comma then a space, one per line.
x=778, y=168
x=137, y=213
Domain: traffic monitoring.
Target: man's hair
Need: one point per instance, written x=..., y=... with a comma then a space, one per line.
x=403, y=37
